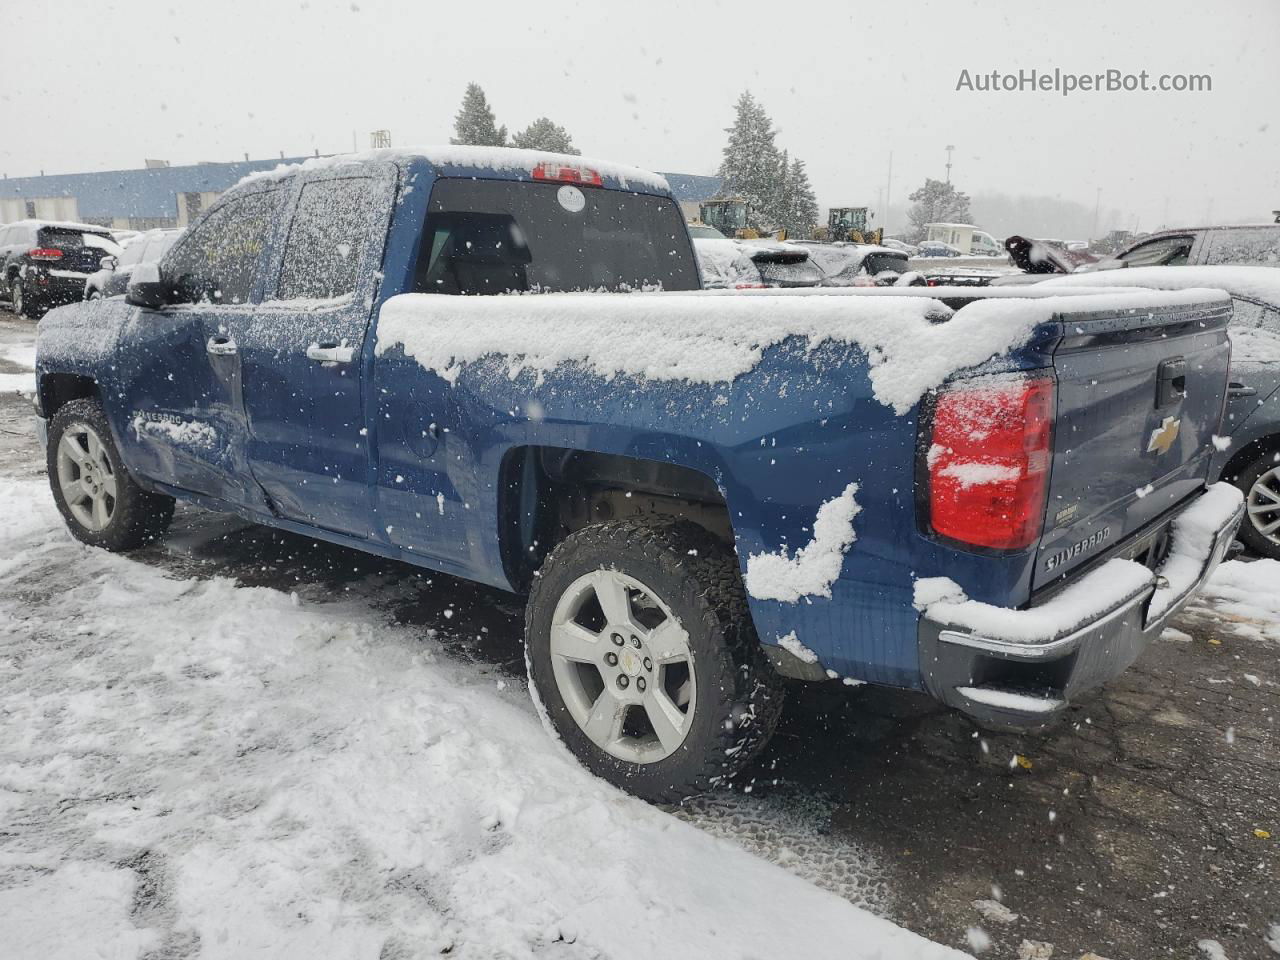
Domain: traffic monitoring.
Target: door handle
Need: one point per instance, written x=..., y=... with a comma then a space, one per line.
x=330, y=353
x=1240, y=390
x=220, y=346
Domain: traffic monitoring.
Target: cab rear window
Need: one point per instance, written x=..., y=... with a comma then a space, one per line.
x=495, y=236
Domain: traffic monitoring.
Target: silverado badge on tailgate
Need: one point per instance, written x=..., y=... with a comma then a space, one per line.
x=1162, y=437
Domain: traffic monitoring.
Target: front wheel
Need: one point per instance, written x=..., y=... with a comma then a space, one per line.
x=641, y=651
x=1260, y=482
x=100, y=502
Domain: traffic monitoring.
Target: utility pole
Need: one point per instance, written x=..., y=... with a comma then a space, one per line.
x=1097, y=204
x=949, y=149
x=888, y=187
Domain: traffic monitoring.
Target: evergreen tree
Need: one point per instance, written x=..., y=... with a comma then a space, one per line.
x=936, y=202
x=475, y=124
x=750, y=161
x=542, y=134
x=802, y=204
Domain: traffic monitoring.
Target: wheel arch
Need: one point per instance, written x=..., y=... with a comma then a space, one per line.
x=1243, y=458
x=548, y=492
x=58, y=389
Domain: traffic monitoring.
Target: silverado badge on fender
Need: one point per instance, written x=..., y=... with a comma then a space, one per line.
x=1162, y=437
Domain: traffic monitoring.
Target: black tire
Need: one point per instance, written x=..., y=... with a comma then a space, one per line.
x=738, y=696
x=1250, y=535
x=136, y=516
x=18, y=299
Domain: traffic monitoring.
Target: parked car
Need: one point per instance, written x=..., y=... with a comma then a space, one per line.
x=44, y=263
x=1039, y=259
x=857, y=264
x=1245, y=245
x=742, y=264
x=1256, y=244
x=937, y=248
x=111, y=280
x=700, y=231
x=1251, y=460
x=910, y=249
x=699, y=494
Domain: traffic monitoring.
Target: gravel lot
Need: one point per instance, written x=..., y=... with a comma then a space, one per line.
x=1146, y=824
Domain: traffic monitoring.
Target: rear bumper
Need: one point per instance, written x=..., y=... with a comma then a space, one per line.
x=1003, y=681
x=55, y=286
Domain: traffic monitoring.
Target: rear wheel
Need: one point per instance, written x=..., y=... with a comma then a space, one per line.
x=18, y=298
x=1260, y=482
x=641, y=650
x=100, y=502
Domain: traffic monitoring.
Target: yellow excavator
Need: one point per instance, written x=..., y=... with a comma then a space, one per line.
x=849, y=225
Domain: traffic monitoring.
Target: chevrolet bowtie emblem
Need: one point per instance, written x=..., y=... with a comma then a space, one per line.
x=1162, y=437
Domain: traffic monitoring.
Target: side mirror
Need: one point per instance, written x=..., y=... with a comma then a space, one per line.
x=147, y=287
x=108, y=263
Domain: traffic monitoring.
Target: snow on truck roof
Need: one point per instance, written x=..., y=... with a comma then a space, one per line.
x=60, y=225
x=450, y=159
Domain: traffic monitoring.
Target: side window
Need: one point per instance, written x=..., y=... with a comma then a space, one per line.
x=132, y=254
x=222, y=259
x=1258, y=245
x=1167, y=251
x=327, y=239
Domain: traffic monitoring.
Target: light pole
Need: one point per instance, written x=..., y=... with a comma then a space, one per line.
x=949, y=149
x=1097, y=202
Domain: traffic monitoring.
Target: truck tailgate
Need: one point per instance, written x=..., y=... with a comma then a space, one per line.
x=1139, y=400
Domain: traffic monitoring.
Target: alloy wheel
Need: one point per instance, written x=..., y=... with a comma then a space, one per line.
x=1264, y=505
x=85, y=477
x=623, y=666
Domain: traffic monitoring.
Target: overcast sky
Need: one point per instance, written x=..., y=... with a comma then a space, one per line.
x=101, y=85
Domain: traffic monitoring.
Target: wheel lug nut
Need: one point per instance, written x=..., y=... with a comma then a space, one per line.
x=635, y=642
x=617, y=639
x=648, y=664
x=640, y=684
x=611, y=658
x=623, y=681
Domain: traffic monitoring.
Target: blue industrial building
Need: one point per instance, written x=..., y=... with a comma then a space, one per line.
x=171, y=196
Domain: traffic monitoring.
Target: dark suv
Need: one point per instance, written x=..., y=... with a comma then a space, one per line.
x=44, y=264
x=1257, y=244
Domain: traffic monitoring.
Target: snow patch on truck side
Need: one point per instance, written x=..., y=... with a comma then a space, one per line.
x=791, y=643
x=183, y=433
x=815, y=567
x=707, y=337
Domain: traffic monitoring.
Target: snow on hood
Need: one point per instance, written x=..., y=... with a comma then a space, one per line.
x=1256, y=283
x=1248, y=343
x=504, y=159
x=717, y=336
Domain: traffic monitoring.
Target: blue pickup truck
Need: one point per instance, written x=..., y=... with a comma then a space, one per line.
x=995, y=497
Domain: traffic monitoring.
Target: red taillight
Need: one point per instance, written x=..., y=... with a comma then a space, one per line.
x=989, y=462
x=567, y=173
x=45, y=253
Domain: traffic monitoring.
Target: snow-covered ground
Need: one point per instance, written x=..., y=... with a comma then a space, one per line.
x=191, y=767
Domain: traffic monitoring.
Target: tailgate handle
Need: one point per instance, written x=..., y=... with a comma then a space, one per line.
x=1171, y=381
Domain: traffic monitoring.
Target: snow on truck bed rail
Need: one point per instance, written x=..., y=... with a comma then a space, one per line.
x=713, y=337
x=505, y=159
